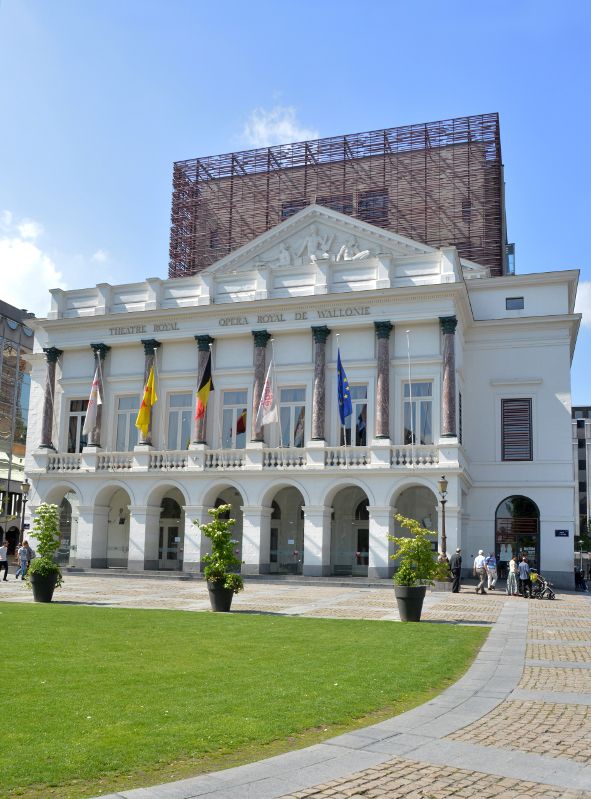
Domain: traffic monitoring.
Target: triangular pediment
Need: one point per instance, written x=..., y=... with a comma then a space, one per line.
x=317, y=234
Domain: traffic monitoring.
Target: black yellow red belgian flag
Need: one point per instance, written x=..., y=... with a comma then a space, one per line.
x=204, y=390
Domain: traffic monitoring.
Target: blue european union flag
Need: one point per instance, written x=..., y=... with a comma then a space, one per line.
x=344, y=394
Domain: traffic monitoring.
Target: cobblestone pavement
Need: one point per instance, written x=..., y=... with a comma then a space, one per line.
x=515, y=726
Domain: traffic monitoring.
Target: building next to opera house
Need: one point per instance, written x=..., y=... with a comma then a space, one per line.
x=456, y=367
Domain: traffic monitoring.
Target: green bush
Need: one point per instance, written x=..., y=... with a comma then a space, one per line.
x=416, y=559
x=47, y=534
x=222, y=559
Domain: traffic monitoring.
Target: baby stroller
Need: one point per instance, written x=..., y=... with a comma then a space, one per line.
x=540, y=587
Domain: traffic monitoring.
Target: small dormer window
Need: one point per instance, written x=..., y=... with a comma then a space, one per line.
x=514, y=303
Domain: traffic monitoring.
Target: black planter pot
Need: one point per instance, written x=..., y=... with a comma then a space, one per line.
x=220, y=597
x=410, y=601
x=43, y=586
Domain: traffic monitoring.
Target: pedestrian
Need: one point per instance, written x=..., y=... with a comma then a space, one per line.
x=4, y=559
x=512, y=577
x=491, y=570
x=524, y=578
x=480, y=571
x=23, y=559
x=455, y=566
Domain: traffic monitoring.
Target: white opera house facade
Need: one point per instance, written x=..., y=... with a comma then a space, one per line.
x=451, y=372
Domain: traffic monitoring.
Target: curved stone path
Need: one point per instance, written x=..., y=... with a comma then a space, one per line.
x=516, y=726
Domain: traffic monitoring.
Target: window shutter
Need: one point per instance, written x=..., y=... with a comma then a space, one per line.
x=516, y=430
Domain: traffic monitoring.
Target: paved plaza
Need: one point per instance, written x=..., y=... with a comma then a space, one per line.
x=515, y=726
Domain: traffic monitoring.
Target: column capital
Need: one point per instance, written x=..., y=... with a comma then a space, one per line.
x=150, y=345
x=448, y=324
x=261, y=337
x=100, y=350
x=383, y=329
x=320, y=333
x=52, y=354
x=203, y=343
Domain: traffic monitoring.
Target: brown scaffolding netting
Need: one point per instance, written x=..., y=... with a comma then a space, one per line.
x=439, y=183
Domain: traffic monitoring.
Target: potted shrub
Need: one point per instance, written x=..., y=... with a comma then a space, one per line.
x=443, y=578
x=44, y=574
x=222, y=581
x=416, y=568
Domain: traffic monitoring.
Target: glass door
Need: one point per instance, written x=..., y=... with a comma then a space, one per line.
x=168, y=546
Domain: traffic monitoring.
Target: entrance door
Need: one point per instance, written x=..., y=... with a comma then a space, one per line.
x=361, y=561
x=168, y=546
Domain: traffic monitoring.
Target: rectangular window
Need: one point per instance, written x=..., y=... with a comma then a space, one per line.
x=516, y=434
x=234, y=419
x=292, y=416
x=180, y=414
x=291, y=207
x=372, y=206
x=76, y=418
x=127, y=432
x=343, y=203
x=357, y=420
x=514, y=303
x=418, y=404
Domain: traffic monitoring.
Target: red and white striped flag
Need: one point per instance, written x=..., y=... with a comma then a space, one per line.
x=93, y=402
x=267, y=411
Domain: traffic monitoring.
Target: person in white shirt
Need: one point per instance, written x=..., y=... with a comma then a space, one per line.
x=480, y=571
x=512, y=578
x=4, y=559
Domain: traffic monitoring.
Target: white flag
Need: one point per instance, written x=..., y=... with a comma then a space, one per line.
x=93, y=402
x=267, y=411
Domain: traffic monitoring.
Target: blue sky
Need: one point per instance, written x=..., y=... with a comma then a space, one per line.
x=100, y=97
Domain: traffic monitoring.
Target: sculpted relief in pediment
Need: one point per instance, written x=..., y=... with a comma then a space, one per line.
x=316, y=244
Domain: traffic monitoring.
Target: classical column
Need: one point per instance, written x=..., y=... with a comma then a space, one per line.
x=143, y=538
x=320, y=334
x=192, y=541
x=448, y=393
x=256, y=539
x=203, y=346
x=261, y=337
x=317, y=521
x=100, y=352
x=383, y=330
x=51, y=355
x=380, y=525
x=150, y=347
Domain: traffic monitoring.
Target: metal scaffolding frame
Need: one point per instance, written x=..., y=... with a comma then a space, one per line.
x=440, y=183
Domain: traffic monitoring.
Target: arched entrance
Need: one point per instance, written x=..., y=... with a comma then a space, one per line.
x=232, y=497
x=286, y=554
x=517, y=530
x=349, y=540
x=68, y=522
x=171, y=534
x=117, y=538
x=420, y=503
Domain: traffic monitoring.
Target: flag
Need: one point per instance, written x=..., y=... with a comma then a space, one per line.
x=93, y=402
x=205, y=387
x=241, y=423
x=344, y=395
x=143, y=417
x=267, y=410
x=298, y=436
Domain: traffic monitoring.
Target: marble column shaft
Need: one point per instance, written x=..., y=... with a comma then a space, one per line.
x=320, y=334
x=100, y=352
x=51, y=354
x=448, y=393
x=261, y=337
x=203, y=346
x=383, y=330
x=150, y=347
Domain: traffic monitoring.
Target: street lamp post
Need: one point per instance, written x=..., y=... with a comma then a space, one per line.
x=442, y=498
x=24, y=494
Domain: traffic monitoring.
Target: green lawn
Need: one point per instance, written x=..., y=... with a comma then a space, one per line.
x=99, y=699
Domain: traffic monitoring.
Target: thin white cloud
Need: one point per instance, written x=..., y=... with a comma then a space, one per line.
x=30, y=271
x=277, y=125
x=100, y=256
x=583, y=302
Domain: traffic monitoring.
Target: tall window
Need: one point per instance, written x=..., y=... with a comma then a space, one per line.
x=76, y=417
x=343, y=203
x=418, y=416
x=292, y=414
x=234, y=419
x=372, y=206
x=516, y=430
x=127, y=432
x=180, y=407
x=357, y=422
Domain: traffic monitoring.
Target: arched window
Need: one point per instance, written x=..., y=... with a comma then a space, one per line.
x=361, y=511
x=517, y=530
x=170, y=509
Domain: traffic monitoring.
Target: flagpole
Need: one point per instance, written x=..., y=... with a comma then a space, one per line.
x=344, y=427
x=412, y=415
x=274, y=389
x=218, y=415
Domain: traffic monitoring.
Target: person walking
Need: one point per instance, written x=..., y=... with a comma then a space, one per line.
x=524, y=578
x=512, y=578
x=4, y=559
x=491, y=570
x=455, y=567
x=480, y=571
x=23, y=559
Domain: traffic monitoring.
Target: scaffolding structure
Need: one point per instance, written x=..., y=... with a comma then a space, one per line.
x=440, y=183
